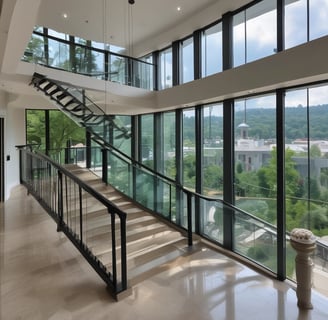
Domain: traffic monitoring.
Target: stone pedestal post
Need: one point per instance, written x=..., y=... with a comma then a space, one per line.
x=303, y=242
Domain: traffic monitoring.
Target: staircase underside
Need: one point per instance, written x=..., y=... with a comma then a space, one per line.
x=152, y=245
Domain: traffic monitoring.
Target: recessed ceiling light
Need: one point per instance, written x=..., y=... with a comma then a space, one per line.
x=65, y=15
x=179, y=8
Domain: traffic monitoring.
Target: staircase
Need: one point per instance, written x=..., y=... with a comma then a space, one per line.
x=152, y=245
x=77, y=106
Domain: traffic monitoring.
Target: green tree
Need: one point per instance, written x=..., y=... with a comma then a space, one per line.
x=35, y=50
x=315, y=151
x=213, y=177
x=61, y=129
x=35, y=127
x=268, y=175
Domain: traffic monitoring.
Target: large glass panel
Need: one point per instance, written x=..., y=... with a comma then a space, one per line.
x=120, y=174
x=145, y=72
x=147, y=140
x=261, y=30
x=35, y=52
x=212, y=50
x=213, y=150
x=306, y=164
x=239, y=39
x=145, y=189
x=169, y=144
x=36, y=128
x=305, y=20
x=117, y=69
x=165, y=69
x=187, y=60
x=59, y=55
x=255, y=32
x=212, y=219
x=64, y=132
x=255, y=177
x=58, y=35
x=122, y=139
x=189, y=149
x=318, y=18
x=295, y=22
x=87, y=60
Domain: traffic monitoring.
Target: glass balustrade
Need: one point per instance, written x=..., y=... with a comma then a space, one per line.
x=83, y=59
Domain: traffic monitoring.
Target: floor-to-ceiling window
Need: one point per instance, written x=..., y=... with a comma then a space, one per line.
x=305, y=20
x=145, y=181
x=306, y=164
x=295, y=23
x=122, y=134
x=255, y=32
x=52, y=131
x=169, y=137
x=213, y=150
x=189, y=149
x=256, y=178
x=59, y=52
x=187, y=60
x=212, y=50
x=36, y=128
x=211, y=220
x=147, y=140
x=165, y=69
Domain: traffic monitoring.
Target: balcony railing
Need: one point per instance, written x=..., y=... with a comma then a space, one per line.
x=253, y=238
x=78, y=58
x=188, y=210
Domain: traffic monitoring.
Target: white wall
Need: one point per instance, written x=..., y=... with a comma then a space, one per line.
x=15, y=135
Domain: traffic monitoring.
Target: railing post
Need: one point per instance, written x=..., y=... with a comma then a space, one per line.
x=81, y=215
x=114, y=270
x=20, y=166
x=123, y=252
x=104, y=166
x=189, y=213
x=60, y=201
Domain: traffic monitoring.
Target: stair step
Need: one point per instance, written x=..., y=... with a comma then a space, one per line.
x=143, y=245
x=159, y=264
x=151, y=245
x=152, y=260
x=101, y=224
x=101, y=244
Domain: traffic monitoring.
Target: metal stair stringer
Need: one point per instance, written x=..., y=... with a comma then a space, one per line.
x=77, y=106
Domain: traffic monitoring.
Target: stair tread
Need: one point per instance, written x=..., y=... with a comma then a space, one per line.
x=151, y=245
x=146, y=247
x=103, y=223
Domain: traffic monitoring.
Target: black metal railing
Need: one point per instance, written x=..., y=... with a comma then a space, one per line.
x=254, y=238
x=195, y=213
x=86, y=60
x=73, y=204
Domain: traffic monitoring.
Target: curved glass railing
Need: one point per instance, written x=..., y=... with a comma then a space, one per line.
x=253, y=238
x=183, y=207
x=78, y=58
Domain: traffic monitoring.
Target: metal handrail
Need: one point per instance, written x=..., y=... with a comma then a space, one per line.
x=33, y=180
x=106, y=53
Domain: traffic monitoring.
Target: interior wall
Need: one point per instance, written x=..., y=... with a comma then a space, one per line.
x=15, y=135
x=3, y=114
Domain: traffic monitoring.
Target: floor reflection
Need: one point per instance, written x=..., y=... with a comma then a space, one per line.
x=42, y=276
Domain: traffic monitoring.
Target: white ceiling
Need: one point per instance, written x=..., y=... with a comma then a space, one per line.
x=149, y=24
x=146, y=26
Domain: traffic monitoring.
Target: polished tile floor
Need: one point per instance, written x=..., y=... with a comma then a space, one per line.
x=43, y=277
